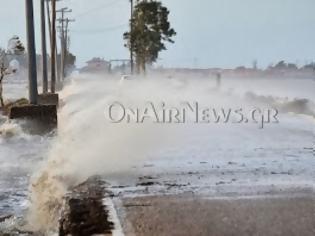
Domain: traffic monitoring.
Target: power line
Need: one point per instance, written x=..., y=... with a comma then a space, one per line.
x=98, y=8
x=102, y=30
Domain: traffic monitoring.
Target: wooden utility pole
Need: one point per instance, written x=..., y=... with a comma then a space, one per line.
x=62, y=21
x=49, y=20
x=131, y=42
x=50, y=36
x=67, y=39
x=53, y=47
x=44, y=48
x=31, y=52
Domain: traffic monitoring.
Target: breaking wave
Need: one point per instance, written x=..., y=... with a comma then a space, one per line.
x=86, y=144
x=297, y=106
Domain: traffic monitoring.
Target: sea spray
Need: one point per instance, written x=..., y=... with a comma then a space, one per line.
x=10, y=129
x=88, y=144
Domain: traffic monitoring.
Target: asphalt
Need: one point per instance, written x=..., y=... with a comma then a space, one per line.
x=186, y=215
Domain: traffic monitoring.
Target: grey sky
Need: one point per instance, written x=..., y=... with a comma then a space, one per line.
x=211, y=33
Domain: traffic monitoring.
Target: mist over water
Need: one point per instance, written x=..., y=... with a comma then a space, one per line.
x=87, y=143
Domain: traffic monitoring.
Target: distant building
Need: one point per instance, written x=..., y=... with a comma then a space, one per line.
x=96, y=65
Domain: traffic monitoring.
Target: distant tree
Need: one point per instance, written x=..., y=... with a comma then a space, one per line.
x=240, y=68
x=149, y=32
x=69, y=60
x=310, y=66
x=15, y=47
x=292, y=66
x=280, y=65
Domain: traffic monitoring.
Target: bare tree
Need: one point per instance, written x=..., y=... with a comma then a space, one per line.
x=3, y=72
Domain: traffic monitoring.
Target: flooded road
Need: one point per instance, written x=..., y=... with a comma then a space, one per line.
x=155, y=162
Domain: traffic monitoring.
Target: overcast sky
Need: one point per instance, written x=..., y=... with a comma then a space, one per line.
x=211, y=33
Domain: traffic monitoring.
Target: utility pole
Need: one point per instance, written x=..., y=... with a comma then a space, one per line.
x=131, y=41
x=53, y=47
x=49, y=20
x=67, y=38
x=32, y=70
x=62, y=21
x=48, y=16
x=44, y=48
x=50, y=36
